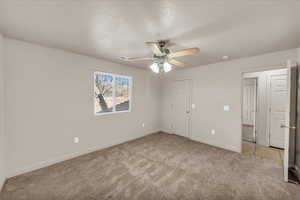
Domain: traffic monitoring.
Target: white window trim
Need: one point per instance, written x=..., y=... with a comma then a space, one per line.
x=114, y=108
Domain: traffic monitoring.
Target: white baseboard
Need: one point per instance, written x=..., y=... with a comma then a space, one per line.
x=49, y=162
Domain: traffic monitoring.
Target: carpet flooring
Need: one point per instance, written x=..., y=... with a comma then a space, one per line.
x=159, y=167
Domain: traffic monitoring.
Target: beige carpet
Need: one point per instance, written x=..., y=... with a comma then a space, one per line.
x=158, y=166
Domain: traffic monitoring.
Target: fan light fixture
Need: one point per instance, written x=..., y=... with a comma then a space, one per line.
x=167, y=67
x=163, y=60
x=160, y=67
x=155, y=68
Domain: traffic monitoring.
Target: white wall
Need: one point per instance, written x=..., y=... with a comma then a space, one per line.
x=214, y=86
x=49, y=100
x=2, y=142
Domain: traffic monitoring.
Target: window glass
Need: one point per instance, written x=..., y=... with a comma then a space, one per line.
x=122, y=93
x=112, y=93
x=104, y=101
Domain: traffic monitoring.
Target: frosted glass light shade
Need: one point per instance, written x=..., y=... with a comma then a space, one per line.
x=155, y=68
x=167, y=67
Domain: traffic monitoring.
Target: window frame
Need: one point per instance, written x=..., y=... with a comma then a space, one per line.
x=114, y=93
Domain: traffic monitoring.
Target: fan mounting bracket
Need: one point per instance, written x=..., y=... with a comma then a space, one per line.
x=162, y=43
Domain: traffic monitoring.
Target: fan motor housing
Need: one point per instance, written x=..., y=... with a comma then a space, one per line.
x=162, y=43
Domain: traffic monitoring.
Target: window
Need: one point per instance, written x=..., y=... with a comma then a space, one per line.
x=112, y=93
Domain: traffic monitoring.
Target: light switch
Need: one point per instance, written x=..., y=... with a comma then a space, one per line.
x=143, y=124
x=76, y=140
x=193, y=106
x=213, y=131
x=226, y=107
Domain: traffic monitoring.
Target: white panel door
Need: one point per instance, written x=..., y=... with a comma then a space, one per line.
x=278, y=108
x=249, y=101
x=290, y=126
x=181, y=107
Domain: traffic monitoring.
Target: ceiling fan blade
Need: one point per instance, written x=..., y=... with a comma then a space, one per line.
x=184, y=52
x=169, y=44
x=177, y=63
x=135, y=58
x=155, y=48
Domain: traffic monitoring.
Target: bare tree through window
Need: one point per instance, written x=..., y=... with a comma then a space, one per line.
x=112, y=93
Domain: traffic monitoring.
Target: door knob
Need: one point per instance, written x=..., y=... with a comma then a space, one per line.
x=187, y=111
x=290, y=127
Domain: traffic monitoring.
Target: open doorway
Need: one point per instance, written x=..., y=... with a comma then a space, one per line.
x=249, y=110
x=264, y=105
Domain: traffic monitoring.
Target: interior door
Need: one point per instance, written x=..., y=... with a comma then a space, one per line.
x=278, y=108
x=181, y=107
x=289, y=127
x=249, y=109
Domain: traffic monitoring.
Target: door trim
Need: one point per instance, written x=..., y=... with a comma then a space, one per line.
x=287, y=131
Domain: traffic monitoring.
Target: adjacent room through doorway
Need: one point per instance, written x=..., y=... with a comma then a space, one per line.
x=264, y=109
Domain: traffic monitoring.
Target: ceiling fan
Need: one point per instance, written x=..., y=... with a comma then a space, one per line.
x=163, y=58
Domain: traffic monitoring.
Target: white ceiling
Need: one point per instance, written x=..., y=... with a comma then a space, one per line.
x=112, y=28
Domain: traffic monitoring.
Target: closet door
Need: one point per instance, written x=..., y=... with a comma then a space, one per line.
x=181, y=107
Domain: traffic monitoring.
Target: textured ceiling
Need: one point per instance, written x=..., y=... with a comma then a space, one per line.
x=109, y=29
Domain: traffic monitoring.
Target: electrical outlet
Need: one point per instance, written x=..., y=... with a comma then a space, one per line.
x=213, y=131
x=76, y=140
x=226, y=108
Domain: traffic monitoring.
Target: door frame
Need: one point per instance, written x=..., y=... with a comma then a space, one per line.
x=287, y=66
x=287, y=130
x=242, y=75
x=290, y=125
